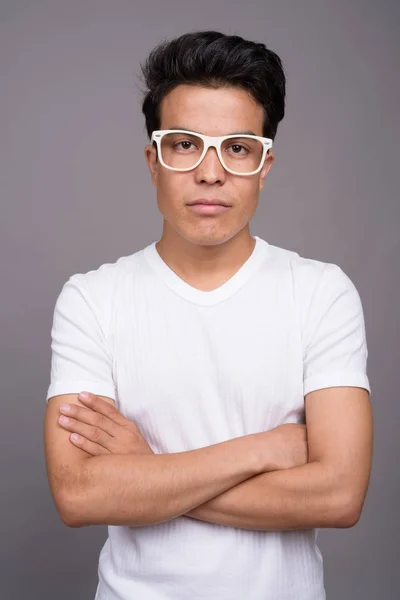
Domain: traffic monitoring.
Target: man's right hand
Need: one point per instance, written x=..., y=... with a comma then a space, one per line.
x=285, y=446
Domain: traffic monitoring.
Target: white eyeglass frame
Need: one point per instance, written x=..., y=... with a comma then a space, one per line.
x=211, y=141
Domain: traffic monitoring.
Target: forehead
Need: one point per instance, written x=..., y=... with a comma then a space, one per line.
x=211, y=111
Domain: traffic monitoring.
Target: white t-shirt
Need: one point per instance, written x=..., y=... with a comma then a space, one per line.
x=194, y=368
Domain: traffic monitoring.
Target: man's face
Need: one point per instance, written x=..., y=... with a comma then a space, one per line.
x=212, y=112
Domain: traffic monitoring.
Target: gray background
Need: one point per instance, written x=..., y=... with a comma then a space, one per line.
x=75, y=193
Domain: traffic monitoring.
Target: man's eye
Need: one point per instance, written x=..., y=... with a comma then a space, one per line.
x=184, y=145
x=237, y=148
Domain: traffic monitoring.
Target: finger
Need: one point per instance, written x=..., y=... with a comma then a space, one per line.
x=93, y=434
x=105, y=408
x=90, y=447
x=88, y=416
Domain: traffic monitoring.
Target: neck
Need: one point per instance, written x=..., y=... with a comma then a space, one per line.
x=205, y=266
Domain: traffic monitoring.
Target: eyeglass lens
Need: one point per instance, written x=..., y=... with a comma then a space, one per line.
x=182, y=151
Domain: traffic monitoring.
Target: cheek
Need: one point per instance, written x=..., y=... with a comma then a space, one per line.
x=170, y=183
x=171, y=191
x=245, y=194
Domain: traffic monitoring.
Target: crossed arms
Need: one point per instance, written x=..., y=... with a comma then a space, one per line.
x=241, y=483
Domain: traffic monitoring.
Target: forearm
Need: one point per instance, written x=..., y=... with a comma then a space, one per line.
x=148, y=489
x=302, y=497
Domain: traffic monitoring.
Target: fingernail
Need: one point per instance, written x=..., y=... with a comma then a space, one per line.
x=75, y=437
x=65, y=408
x=63, y=419
x=84, y=395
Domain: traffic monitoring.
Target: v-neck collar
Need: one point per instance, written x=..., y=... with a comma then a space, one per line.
x=201, y=297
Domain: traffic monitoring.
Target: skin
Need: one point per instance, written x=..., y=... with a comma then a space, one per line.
x=311, y=481
x=207, y=250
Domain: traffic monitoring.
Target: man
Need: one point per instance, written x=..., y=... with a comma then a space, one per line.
x=228, y=414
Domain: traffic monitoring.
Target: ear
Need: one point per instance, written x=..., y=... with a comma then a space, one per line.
x=266, y=167
x=150, y=154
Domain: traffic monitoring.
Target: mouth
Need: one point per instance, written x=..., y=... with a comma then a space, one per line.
x=209, y=202
x=210, y=208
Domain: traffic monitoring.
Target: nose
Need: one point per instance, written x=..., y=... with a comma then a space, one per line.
x=210, y=170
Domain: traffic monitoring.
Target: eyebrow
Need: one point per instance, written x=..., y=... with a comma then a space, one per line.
x=233, y=132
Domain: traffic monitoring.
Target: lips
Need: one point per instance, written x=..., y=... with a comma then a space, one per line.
x=209, y=209
x=205, y=201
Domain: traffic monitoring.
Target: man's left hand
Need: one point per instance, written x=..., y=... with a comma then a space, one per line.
x=102, y=429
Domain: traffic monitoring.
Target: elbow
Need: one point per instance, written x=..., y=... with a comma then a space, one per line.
x=347, y=512
x=71, y=519
x=70, y=511
x=70, y=492
x=348, y=519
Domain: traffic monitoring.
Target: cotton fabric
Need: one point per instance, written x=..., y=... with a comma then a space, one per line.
x=194, y=368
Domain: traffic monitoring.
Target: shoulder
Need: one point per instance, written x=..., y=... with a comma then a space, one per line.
x=309, y=275
x=106, y=278
x=317, y=288
x=99, y=288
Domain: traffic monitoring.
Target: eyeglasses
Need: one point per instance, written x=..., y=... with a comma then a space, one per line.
x=181, y=150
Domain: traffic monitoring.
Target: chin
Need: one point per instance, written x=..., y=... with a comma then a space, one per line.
x=212, y=238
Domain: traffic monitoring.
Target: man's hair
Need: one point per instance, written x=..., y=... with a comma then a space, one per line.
x=214, y=60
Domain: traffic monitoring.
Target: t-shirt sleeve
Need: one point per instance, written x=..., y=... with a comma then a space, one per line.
x=80, y=358
x=335, y=346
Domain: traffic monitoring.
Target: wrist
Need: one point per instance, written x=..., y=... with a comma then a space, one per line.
x=245, y=455
x=264, y=450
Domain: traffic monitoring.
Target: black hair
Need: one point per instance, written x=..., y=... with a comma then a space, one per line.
x=213, y=59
